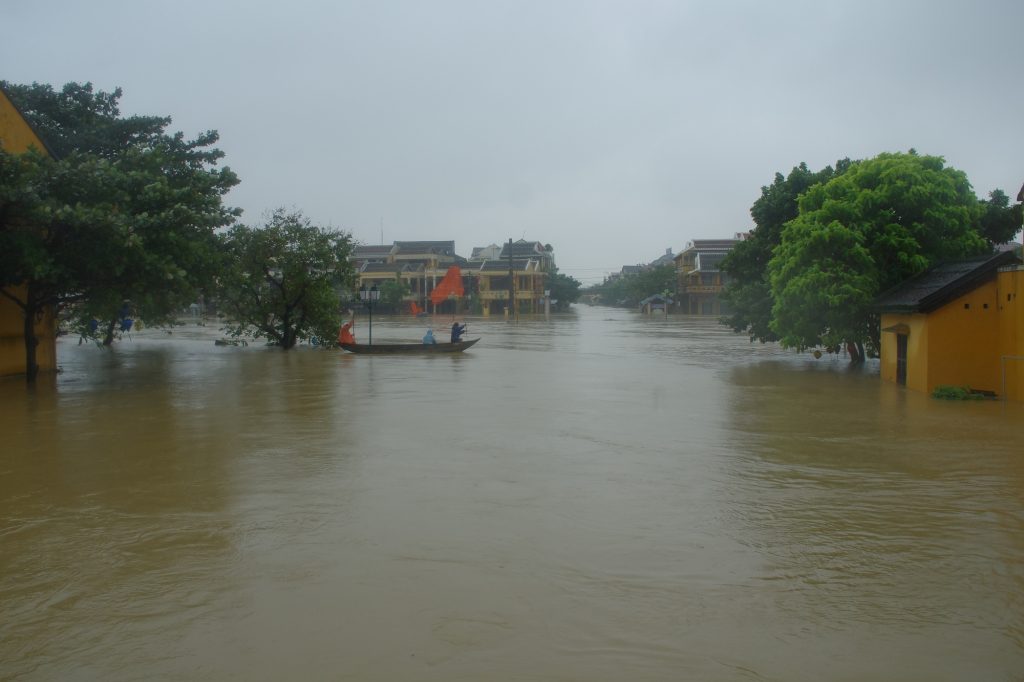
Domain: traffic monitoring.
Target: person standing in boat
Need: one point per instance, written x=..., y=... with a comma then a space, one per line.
x=345, y=334
x=457, y=332
x=428, y=338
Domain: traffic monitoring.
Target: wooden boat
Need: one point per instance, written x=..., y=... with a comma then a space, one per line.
x=407, y=348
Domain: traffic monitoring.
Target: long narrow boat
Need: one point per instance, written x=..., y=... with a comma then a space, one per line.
x=407, y=348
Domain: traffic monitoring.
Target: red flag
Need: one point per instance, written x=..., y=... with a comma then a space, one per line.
x=451, y=284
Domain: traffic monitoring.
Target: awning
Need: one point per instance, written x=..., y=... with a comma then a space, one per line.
x=898, y=329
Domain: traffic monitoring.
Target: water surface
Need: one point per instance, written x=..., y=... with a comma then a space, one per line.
x=602, y=496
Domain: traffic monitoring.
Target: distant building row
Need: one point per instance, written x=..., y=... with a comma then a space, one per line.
x=700, y=279
x=487, y=275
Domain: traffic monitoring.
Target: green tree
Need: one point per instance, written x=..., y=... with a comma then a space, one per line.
x=649, y=282
x=125, y=212
x=749, y=294
x=283, y=281
x=999, y=222
x=78, y=119
x=882, y=221
x=628, y=290
x=565, y=290
x=393, y=293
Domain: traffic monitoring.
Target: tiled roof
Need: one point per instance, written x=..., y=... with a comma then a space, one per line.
x=522, y=248
x=940, y=285
x=364, y=251
x=445, y=248
x=712, y=244
x=518, y=264
x=391, y=268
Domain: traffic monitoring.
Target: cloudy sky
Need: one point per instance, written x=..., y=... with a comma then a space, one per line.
x=612, y=130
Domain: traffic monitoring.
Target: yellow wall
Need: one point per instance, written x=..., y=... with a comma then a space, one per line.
x=17, y=137
x=12, y=340
x=1011, y=330
x=963, y=342
x=917, y=349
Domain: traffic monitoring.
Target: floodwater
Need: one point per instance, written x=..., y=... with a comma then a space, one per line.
x=601, y=496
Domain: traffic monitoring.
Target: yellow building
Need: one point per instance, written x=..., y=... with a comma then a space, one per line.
x=17, y=137
x=959, y=324
x=699, y=279
x=422, y=265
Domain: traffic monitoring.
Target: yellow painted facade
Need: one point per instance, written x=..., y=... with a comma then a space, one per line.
x=975, y=340
x=17, y=137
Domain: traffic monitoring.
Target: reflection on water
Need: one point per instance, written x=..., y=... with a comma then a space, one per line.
x=598, y=497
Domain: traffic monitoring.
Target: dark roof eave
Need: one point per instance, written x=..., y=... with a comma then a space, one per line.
x=985, y=271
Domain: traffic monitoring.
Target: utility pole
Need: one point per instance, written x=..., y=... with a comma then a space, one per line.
x=511, y=281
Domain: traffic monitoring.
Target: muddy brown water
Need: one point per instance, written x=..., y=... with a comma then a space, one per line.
x=602, y=496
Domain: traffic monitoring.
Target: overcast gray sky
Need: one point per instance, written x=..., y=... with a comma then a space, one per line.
x=611, y=130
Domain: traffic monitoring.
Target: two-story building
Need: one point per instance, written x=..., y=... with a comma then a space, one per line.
x=419, y=265
x=17, y=137
x=485, y=277
x=699, y=277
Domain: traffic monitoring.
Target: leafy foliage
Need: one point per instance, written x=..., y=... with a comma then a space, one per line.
x=283, y=281
x=999, y=222
x=748, y=293
x=946, y=392
x=565, y=290
x=125, y=211
x=77, y=119
x=629, y=290
x=880, y=222
x=392, y=294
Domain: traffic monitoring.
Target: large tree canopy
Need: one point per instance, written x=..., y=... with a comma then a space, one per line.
x=880, y=222
x=125, y=212
x=283, y=281
x=749, y=294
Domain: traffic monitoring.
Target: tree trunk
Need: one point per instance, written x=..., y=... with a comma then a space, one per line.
x=856, y=351
x=31, y=342
x=109, y=338
x=288, y=340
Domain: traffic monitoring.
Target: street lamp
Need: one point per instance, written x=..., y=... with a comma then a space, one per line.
x=369, y=297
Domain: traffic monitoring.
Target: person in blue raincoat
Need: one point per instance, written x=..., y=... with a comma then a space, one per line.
x=428, y=338
x=457, y=332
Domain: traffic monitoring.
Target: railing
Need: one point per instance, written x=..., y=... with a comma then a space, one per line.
x=502, y=295
x=702, y=289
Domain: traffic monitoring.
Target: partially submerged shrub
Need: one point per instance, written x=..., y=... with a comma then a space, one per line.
x=956, y=393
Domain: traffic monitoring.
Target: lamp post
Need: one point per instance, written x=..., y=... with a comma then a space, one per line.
x=369, y=297
x=547, y=304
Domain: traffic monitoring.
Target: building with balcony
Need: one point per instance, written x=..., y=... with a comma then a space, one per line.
x=699, y=277
x=485, y=277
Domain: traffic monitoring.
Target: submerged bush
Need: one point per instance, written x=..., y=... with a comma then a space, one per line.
x=955, y=393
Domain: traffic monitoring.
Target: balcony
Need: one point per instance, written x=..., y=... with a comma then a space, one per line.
x=502, y=295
